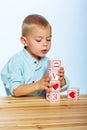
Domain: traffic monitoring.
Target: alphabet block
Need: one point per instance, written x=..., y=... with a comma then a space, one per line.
x=54, y=64
x=54, y=75
x=53, y=96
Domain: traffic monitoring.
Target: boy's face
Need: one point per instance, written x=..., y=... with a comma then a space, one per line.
x=38, y=41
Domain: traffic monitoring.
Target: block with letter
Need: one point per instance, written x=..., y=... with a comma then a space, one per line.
x=54, y=75
x=56, y=64
x=53, y=96
x=73, y=93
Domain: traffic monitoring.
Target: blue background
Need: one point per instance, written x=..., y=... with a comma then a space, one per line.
x=69, y=43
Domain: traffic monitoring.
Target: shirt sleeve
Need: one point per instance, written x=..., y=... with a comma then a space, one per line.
x=64, y=88
x=12, y=75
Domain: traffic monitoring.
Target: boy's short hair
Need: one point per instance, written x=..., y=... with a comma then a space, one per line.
x=32, y=20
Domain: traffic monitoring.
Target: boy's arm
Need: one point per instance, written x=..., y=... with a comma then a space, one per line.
x=25, y=89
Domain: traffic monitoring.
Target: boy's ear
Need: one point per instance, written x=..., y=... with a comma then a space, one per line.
x=23, y=40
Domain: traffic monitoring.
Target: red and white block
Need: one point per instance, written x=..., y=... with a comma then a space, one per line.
x=54, y=75
x=54, y=64
x=73, y=93
x=53, y=96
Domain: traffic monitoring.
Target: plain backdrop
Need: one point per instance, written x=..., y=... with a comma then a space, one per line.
x=69, y=38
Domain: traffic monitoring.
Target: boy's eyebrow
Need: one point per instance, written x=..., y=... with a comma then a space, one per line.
x=50, y=35
x=42, y=36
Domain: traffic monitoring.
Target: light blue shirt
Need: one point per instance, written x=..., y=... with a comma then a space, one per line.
x=22, y=68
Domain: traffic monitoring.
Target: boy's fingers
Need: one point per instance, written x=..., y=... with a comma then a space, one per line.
x=46, y=77
x=47, y=89
x=61, y=70
x=61, y=78
x=47, y=86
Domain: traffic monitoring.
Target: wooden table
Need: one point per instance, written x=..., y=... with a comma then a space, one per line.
x=33, y=113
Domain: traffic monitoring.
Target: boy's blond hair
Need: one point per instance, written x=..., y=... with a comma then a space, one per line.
x=32, y=20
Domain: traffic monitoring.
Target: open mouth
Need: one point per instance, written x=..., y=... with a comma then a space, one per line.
x=44, y=51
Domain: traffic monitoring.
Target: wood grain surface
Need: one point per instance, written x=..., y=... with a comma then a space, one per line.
x=34, y=113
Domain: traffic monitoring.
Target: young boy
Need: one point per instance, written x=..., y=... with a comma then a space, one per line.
x=26, y=72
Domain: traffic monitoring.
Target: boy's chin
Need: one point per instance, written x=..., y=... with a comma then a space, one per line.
x=39, y=57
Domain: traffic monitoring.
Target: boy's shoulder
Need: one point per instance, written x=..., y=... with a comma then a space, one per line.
x=16, y=58
x=17, y=55
x=13, y=62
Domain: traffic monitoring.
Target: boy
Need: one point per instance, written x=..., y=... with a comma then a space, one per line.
x=26, y=72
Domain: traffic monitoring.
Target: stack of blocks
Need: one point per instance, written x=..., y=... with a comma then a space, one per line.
x=54, y=94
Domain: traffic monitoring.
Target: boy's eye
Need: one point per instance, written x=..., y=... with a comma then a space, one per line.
x=48, y=40
x=37, y=40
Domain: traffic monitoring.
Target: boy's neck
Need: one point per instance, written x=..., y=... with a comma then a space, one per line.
x=37, y=59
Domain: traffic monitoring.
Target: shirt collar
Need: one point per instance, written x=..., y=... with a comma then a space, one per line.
x=32, y=59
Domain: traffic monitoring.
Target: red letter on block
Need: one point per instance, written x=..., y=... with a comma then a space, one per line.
x=55, y=96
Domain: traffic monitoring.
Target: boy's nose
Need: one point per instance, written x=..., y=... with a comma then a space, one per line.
x=44, y=43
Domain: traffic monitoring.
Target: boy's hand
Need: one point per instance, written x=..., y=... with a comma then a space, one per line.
x=61, y=77
x=44, y=83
